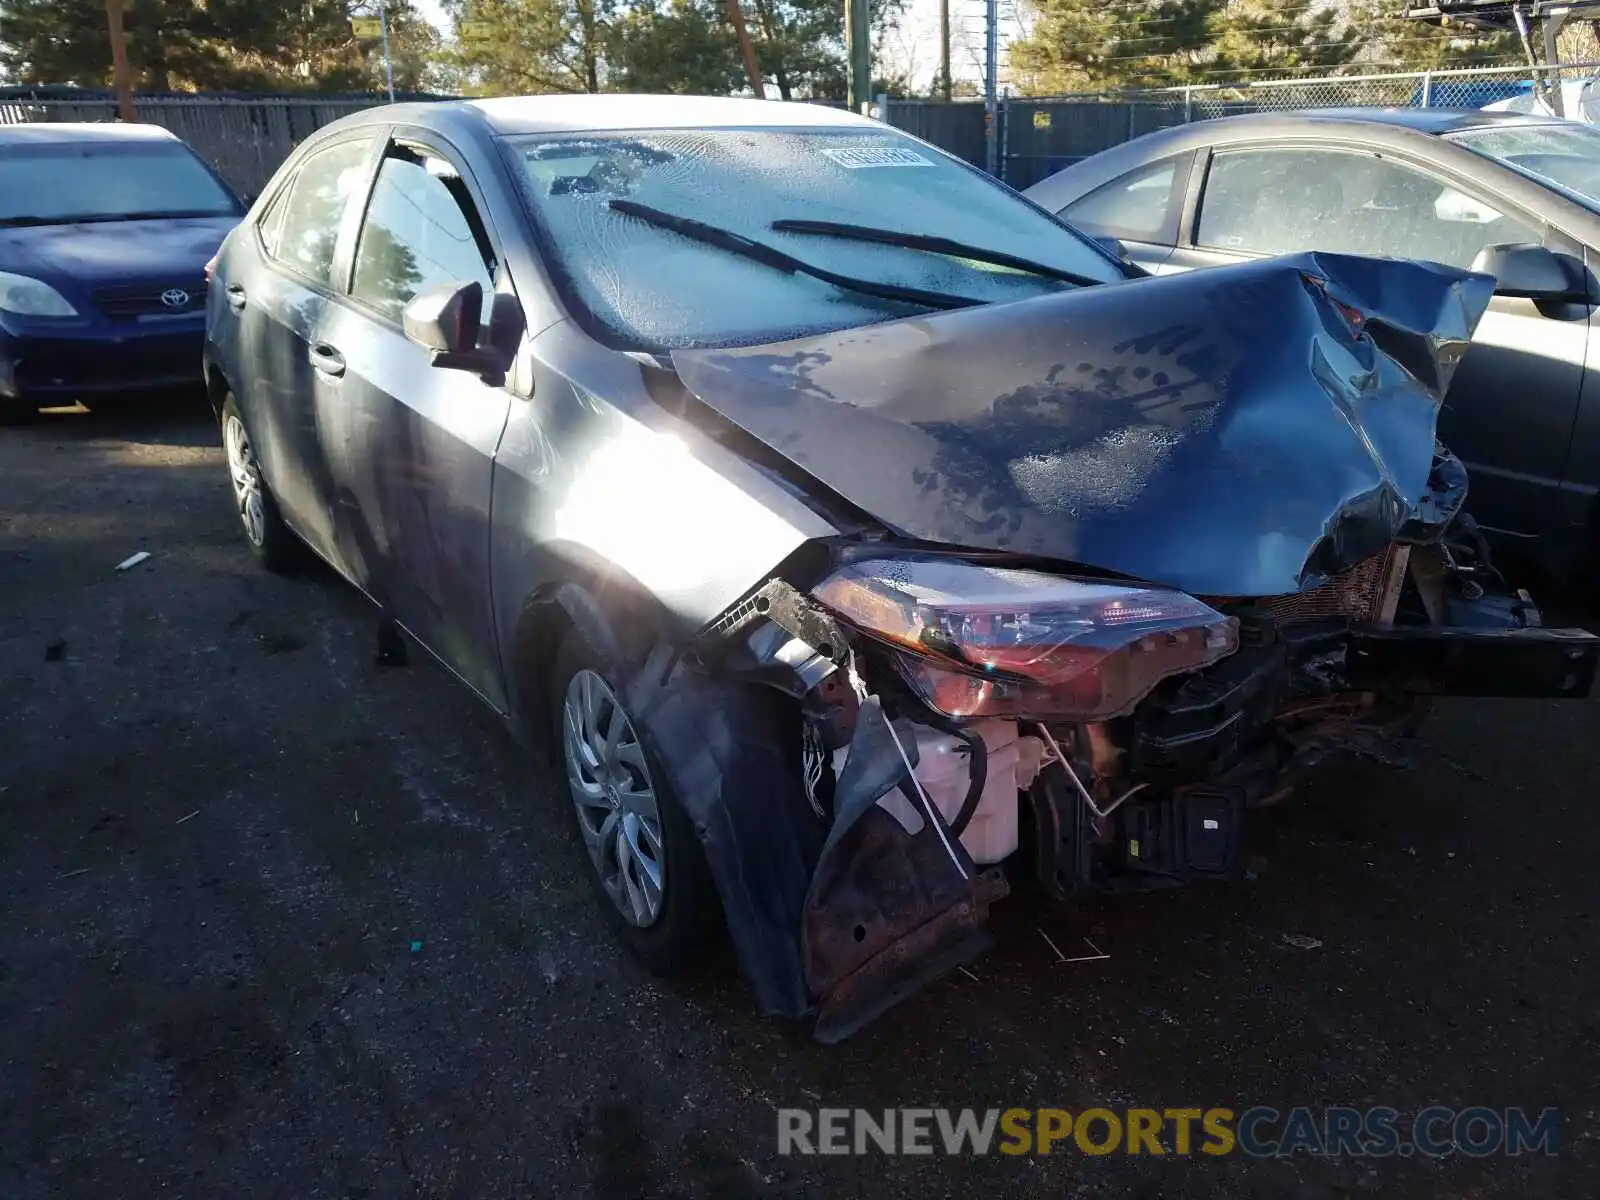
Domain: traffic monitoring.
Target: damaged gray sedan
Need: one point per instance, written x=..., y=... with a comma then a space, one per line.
x=862, y=541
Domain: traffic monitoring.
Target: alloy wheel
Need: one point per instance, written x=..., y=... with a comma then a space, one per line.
x=246, y=476
x=615, y=798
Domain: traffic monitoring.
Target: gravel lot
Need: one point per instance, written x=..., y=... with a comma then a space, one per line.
x=277, y=921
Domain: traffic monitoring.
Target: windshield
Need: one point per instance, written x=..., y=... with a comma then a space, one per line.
x=1567, y=155
x=651, y=287
x=106, y=182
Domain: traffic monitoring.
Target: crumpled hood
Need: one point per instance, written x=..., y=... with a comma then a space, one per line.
x=1227, y=432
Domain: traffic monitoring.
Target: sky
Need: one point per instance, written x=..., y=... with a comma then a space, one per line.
x=433, y=11
x=915, y=48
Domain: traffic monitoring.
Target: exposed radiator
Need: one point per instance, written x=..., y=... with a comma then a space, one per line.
x=1357, y=595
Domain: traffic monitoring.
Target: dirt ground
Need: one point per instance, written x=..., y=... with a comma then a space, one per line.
x=275, y=921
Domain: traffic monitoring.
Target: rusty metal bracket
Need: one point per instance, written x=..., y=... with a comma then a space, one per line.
x=887, y=916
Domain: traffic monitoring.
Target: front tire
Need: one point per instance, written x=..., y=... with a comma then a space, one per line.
x=269, y=538
x=645, y=862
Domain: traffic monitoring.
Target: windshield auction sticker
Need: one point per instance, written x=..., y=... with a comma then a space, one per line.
x=877, y=156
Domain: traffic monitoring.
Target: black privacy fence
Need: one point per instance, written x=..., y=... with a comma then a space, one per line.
x=1026, y=138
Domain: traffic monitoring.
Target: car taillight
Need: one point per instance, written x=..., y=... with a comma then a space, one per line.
x=211, y=267
x=988, y=641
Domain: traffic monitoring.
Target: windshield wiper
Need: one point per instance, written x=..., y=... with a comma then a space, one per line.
x=737, y=243
x=23, y=221
x=934, y=245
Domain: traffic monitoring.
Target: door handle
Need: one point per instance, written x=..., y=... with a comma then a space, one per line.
x=326, y=359
x=236, y=297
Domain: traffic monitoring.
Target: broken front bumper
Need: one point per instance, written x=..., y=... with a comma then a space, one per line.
x=840, y=905
x=1290, y=696
x=895, y=902
x=1428, y=661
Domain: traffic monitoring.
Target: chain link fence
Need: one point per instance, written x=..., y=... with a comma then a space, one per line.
x=246, y=137
x=1042, y=135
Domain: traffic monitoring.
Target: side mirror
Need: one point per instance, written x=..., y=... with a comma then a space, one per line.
x=444, y=320
x=1531, y=272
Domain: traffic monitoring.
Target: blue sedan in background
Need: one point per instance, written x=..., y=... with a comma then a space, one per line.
x=105, y=233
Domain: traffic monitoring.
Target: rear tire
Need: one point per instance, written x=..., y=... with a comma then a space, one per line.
x=629, y=824
x=272, y=542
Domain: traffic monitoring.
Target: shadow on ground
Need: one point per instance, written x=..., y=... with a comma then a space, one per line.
x=277, y=921
x=180, y=418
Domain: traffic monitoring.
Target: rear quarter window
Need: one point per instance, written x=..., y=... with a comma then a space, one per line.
x=267, y=225
x=1142, y=205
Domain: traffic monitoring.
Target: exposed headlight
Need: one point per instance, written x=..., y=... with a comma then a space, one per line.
x=992, y=642
x=29, y=297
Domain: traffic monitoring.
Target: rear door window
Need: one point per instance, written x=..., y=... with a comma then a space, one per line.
x=1141, y=206
x=301, y=228
x=1345, y=201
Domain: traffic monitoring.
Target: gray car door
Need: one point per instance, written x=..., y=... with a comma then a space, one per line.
x=416, y=443
x=277, y=291
x=1510, y=411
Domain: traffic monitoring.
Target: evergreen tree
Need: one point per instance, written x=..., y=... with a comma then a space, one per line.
x=188, y=45
x=533, y=46
x=686, y=46
x=1404, y=45
x=1088, y=45
x=1091, y=45
x=1283, y=38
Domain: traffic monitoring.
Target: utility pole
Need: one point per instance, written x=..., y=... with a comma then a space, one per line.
x=751, y=70
x=367, y=27
x=991, y=71
x=121, y=76
x=388, y=63
x=858, y=50
x=944, y=49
